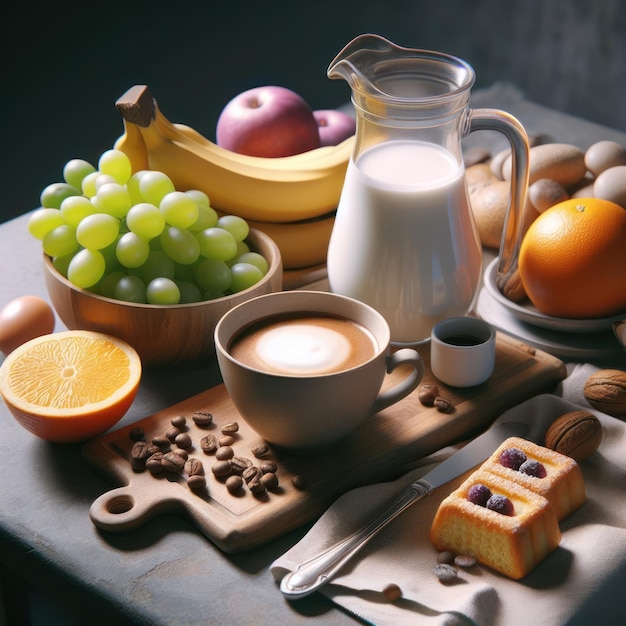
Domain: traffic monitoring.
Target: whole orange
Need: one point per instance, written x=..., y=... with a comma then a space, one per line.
x=572, y=260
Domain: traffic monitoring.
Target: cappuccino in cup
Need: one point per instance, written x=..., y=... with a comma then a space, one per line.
x=305, y=368
x=304, y=344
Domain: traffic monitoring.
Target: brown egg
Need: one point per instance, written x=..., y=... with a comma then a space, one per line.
x=23, y=319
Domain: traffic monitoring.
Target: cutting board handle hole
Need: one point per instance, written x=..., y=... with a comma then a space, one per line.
x=120, y=504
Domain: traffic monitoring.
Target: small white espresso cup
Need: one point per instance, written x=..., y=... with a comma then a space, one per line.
x=462, y=351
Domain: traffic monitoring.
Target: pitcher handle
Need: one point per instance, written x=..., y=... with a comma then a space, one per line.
x=510, y=126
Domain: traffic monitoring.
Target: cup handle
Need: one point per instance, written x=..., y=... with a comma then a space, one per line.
x=407, y=384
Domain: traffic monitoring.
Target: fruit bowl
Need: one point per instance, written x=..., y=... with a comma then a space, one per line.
x=163, y=335
x=531, y=315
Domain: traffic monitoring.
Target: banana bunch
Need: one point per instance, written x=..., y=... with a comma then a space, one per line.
x=283, y=189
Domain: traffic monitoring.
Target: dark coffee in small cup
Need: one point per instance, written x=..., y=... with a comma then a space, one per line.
x=463, y=340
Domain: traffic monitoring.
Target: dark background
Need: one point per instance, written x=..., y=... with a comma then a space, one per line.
x=65, y=63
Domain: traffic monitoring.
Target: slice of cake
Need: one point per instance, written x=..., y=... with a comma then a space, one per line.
x=552, y=475
x=497, y=521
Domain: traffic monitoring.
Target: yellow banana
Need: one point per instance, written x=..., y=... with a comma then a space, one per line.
x=131, y=143
x=284, y=189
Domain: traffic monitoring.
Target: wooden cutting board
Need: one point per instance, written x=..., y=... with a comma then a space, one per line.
x=384, y=446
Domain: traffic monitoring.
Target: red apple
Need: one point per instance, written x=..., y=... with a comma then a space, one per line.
x=267, y=122
x=334, y=126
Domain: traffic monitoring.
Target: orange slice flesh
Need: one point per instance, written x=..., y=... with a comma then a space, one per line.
x=71, y=385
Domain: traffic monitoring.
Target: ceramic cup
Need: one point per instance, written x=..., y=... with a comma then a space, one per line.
x=462, y=351
x=305, y=368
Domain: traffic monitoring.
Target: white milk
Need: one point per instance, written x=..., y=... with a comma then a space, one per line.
x=404, y=240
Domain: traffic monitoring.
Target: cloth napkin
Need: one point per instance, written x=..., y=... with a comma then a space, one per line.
x=590, y=561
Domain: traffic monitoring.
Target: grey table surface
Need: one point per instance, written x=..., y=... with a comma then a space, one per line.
x=166, y=572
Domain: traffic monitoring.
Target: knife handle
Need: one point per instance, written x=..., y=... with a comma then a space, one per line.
x=316, y=572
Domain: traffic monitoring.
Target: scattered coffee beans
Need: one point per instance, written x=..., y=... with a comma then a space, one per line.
x=208, y=444
x=169, y=451
x=136, y=434
x=173, y=462
x=224, y=452
x=260, y=450
x=392, y=592
x=194, y=467
x=270, y=480
x=240, y=463
x=226, y=440
x=445, y=572
x=464, y=561
x=230, y=429
x=196, y=482
x=234, y=483
x=443, y=405
x=446, y=557
x=427, y=393
x=172, y=432
x=179, y=421
x=154, y=463
x=221, y=469
x=202, y=419
x=183, y=440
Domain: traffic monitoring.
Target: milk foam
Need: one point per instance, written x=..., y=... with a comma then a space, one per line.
x=301, y=348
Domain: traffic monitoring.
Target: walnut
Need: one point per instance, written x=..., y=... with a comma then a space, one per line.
x=605, y=390
x=576, y=434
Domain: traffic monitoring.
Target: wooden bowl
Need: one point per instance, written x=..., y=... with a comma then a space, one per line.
x=163, y=335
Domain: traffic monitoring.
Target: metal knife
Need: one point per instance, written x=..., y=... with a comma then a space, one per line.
x=317, y=571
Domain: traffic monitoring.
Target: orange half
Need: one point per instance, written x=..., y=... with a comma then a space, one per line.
x=70, y=386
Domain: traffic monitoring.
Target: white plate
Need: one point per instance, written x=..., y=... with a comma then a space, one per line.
x=529, y=314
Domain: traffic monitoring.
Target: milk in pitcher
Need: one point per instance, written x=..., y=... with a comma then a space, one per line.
x=404, y=239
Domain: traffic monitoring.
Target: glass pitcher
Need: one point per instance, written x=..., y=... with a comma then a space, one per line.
x=404, y=239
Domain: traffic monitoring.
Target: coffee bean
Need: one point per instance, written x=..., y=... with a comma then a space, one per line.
x=427, y=393
x=298, y=481
x=224, y=452
x=443, y=405
x=136, y=434
x=173, y=462
x=270, y=480
x=392, y=592
x=268, y=466
x=202, y=419
x=208, y=444
x=445, y=572
x=256, y=486
x=252, y=473
x=181, y=452
x=221, y=469
x=179, y=421
x=183, y=440
x=226, y=440
x=239, y=464
x=260, y=450
x=194, y=467
x=161, y=441
x=154, y=463
x=465, y=561
x=234, y=483
x=196, y=482
x=172, y=432
x=447, y=556
x=230, y=429
x=139, y=451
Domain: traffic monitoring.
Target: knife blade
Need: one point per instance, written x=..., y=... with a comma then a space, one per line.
x=312, y=574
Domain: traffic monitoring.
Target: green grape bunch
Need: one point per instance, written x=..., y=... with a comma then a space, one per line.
x=135, y=237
